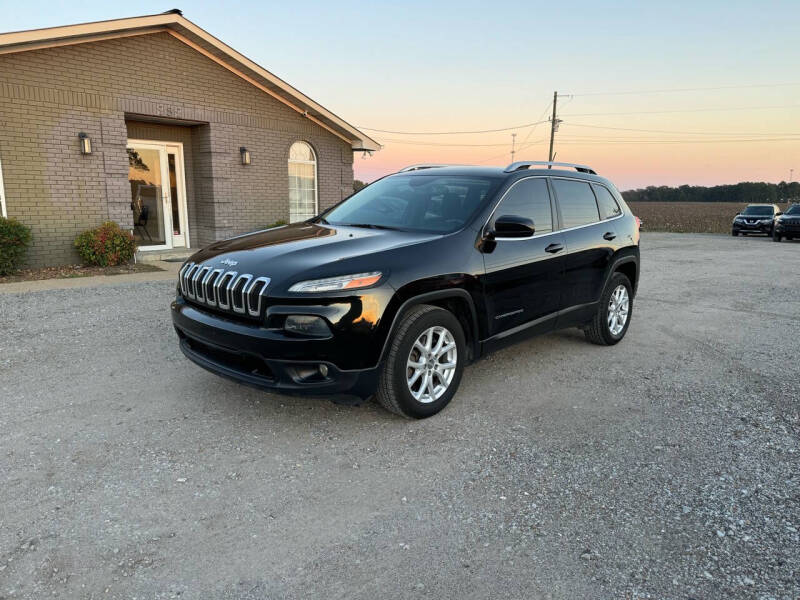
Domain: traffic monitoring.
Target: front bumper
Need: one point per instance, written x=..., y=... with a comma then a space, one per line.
x=752, y=227
x=264, y=359
x=787, y=228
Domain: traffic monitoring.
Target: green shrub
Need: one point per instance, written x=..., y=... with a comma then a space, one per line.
x=106, y=246
x=14, y=240
x=276, y=224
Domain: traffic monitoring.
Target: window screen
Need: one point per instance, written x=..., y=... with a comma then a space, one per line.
x=606, y=202
x=529, y=198
x=577, y=203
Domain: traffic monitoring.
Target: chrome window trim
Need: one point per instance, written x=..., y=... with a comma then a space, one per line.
x=534, y=236
x=590, y=183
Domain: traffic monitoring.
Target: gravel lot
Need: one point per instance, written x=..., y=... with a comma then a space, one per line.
x=665, y=467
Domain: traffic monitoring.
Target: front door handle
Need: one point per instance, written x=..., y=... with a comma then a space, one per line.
x=610, y=235
x=553, y=248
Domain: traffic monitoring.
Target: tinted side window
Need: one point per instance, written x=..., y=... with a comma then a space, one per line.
x=606, y=202
x=529, y=198
x=577, y=203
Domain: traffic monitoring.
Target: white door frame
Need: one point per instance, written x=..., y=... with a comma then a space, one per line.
x=180, y=172
x=3, y=210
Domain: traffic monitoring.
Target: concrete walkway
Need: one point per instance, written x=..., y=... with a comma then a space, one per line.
x=170, y=272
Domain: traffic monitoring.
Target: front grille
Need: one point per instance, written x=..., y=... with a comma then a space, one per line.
x=229, y=291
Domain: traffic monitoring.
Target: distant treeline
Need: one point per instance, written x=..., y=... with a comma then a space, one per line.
x=747, y=191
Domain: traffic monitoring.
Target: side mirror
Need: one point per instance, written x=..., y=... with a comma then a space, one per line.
x=513, y=226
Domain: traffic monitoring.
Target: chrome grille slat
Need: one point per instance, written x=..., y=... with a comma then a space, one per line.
x=246, y=278
x=199, y=291
x=240, y=293
x=227, y=290
x=211, y=279
x=259, y=295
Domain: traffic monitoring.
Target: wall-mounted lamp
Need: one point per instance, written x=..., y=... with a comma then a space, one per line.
x=86, y=143
x=245, y=155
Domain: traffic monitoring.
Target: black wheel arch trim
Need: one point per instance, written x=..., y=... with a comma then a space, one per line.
x=427, y=297
x=614, y=265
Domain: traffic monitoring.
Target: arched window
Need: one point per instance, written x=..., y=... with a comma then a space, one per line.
x=302, y=182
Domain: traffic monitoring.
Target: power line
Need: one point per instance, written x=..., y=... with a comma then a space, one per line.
x=640, y=142
x=697, y=89
x=524, y=143
x=451, y=132
x=571, y=124
x=422, y=143
x=684, y=110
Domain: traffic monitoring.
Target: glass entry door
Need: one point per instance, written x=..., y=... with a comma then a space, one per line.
x=158, y=194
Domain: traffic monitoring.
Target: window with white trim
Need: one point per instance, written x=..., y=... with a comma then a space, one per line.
x=302, y=182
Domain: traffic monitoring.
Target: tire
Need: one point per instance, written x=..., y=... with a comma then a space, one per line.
x=735, y=233
x=394, y=392
x=599, y=329
x=776, y=237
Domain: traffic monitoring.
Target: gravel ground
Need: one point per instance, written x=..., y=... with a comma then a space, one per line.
x=664, y=467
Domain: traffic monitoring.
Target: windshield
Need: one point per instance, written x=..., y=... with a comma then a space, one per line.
x=425, y=203
x=758, y=210
x=794, y=209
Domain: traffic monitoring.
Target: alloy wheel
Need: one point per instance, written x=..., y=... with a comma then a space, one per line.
x=618, y=307
x=431, y=364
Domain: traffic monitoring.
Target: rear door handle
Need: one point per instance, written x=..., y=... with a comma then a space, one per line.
x=553, y=248
x=610, y=235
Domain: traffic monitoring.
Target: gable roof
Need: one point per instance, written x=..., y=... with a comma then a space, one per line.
x=174, y=23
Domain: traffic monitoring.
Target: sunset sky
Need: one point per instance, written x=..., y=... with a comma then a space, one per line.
x=463, y=66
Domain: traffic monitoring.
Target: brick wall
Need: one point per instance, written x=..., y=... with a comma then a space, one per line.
x=48, y=96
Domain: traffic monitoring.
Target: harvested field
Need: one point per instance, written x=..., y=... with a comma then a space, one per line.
x=687, y=217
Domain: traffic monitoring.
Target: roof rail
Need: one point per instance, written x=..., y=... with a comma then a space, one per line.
x=527, y=164
x=421, y=167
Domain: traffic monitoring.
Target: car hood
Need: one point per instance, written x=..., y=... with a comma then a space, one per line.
x=305, y=250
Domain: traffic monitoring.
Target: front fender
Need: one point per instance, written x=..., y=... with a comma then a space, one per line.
x=461, y=288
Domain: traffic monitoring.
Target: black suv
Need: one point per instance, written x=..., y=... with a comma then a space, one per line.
x=756, y=218
x=395, y=289
x=787, y=225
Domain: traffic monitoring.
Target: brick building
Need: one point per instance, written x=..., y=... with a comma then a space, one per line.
x=159, y=126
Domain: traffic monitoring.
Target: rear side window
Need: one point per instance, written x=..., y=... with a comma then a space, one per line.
x=577, y=203
x=606, y=202
x=529, y=198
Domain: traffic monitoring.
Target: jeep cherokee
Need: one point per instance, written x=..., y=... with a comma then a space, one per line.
x=787, y=225
x=393, y=291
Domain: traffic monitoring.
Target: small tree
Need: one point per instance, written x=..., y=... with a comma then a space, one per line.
x=14, y=241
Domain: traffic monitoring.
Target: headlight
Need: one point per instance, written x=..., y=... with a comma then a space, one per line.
x=332, y=284
x=765, y=221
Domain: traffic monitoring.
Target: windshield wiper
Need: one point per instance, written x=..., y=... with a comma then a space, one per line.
x=370, y=226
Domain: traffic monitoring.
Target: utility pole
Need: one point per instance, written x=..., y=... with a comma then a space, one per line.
x=513, y=145
x=554, y=121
